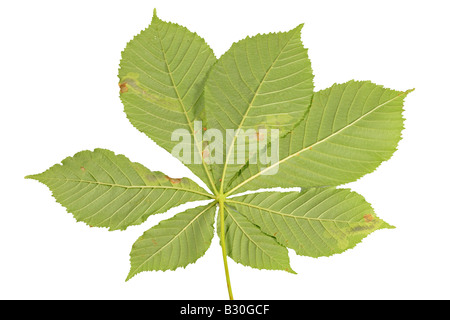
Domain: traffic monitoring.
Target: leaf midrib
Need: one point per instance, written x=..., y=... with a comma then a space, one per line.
x=287, y=214
x=134, y=186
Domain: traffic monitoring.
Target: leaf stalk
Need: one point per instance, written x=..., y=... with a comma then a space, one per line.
x=223, y=245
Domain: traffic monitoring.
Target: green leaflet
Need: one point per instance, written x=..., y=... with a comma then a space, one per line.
x=350, y=130
x=262, y=82
x=316, y=222
x=174, y=242
x=162, y=73
x=107, y=190
x=170, y=81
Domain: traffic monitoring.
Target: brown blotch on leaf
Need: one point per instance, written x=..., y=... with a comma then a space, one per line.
x=368, y=217
x=83, y=169
x=259, y=136
x=310, y=148
x=123, y=87
x=154, y=242
x=173, y=180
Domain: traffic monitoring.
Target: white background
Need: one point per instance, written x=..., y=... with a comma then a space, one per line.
x=59, y=95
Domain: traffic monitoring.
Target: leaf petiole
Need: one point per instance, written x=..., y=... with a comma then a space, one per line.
x=222, y=242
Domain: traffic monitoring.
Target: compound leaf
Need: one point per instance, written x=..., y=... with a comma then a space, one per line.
x=315, y=222
x=175, y=242
x=173, y=88
x=107, y=190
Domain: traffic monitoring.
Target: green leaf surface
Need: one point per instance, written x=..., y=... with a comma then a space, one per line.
x=315, y=222
x=261, y=82
x=248, y=245
x=162, y=74
x=175, y=242
x=107, y=190
x=350, y=130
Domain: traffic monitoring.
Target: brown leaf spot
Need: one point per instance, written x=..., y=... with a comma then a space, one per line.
x=123, y=87
x=204, y=129
x=83, y=169
x=154, y=242
x=259, y=136
x=275, y=234
x=368, y=217
x=310, y=148
x=173, y=180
